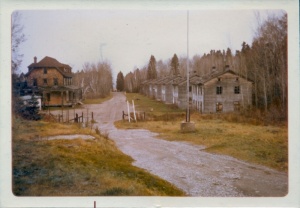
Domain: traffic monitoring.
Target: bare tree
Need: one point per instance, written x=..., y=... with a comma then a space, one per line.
x=17, y=38
x=95, y=79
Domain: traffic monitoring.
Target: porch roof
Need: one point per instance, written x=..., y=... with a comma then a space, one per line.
x=59, y=88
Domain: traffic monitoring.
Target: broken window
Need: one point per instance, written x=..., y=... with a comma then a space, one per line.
x=219, y=90
x=219, y=107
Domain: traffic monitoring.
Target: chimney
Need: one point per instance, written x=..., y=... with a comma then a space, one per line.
x=34, y=59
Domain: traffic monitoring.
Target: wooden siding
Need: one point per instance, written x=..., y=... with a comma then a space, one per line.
x=228, y=97
x=39, y=75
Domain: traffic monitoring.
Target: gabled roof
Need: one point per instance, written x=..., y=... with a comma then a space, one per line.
x=207, y=77
x=50, y=62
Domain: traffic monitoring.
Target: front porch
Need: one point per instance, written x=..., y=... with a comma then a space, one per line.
x=61, y=96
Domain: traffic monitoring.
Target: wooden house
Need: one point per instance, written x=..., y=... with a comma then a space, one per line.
x=223, y=91
x=53, y=81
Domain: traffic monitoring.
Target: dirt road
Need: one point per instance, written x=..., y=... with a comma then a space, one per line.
x=187, y=166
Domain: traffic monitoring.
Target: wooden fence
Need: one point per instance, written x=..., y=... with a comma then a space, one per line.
x=71, y=116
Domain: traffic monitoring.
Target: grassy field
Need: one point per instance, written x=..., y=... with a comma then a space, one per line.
x=76, y=167
x=229, y=134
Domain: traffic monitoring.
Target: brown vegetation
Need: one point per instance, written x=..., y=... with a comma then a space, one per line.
x=76, y=167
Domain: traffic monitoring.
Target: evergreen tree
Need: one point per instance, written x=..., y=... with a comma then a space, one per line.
x=27, y=109
x=151, y=71
x=175, y=65
x=120, y=81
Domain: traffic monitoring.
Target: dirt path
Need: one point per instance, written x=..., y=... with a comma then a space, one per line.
x=187, y=166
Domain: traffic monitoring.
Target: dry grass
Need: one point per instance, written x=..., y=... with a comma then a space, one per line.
x=244, y=138
x=76, y=167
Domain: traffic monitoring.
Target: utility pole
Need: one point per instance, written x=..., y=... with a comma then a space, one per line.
x=187, y=126
x=188, y=74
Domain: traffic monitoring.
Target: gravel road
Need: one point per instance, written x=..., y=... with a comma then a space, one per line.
x=187, y=166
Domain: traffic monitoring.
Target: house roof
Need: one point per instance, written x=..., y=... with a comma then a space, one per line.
x=207, y=77
x=50, y=62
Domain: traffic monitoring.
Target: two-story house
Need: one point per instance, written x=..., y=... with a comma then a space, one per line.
x=53, y=81
x=223, y=91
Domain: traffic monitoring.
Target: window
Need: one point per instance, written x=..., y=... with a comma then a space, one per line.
x=219, y=79
x=219, y=90
x=45, y=70
x=55, y=81
x=45, y=81
x=219, y=107
x=34, y=82
x=237, y=79
x=237, y=90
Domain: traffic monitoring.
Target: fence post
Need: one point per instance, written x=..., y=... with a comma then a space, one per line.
x=81, y=117
x=92, y=116
x=76, y=118
x=134, y=111
x=128, y=111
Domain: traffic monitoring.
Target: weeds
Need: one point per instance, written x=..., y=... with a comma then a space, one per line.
x=76, y=167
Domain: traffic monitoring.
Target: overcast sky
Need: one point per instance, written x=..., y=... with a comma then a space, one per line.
x=127, y=38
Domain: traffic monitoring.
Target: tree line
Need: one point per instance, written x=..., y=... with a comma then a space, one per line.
x=264, y=61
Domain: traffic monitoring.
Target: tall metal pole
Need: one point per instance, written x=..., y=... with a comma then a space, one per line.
x=187, y=74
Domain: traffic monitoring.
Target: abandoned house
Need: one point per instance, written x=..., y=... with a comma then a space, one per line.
x=223, y=91
x=53, y=81
x=219, y=91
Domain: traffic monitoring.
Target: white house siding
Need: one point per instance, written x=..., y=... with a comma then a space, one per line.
x=163, y=93
x=175, y=94
x=197, y=97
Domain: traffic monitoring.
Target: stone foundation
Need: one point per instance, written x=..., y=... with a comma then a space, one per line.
x=187, y=127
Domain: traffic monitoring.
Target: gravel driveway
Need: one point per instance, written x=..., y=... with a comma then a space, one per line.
x=187, y=166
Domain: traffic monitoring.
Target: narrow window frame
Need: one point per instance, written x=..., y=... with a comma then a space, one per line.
x=237, y=89
x=219, y=90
